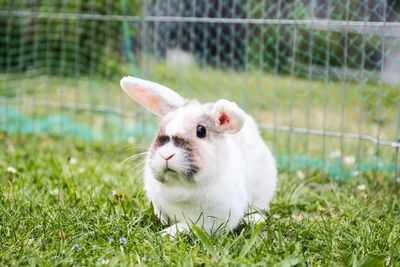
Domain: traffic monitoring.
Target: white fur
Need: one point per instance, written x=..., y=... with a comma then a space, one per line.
x=161, y=92
x=238, y=116
x=246, y=178
x=175, y=126
x=239, y=174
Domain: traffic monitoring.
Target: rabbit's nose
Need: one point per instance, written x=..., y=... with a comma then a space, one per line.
x=169, y=157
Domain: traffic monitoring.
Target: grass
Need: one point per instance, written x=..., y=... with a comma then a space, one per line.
x=54, y=212
x=281, y=99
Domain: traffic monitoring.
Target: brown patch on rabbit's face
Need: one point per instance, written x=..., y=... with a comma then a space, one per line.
x=177, y=136
x=186, y=144
x=173, y=155
x=161, y=140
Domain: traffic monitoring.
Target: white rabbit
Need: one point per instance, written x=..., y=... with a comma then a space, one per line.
x=208, y=164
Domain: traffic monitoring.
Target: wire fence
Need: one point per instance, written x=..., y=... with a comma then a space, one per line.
x=321, y=77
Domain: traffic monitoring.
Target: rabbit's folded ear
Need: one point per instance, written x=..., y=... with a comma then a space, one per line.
x=228, y=117
x=155, y=97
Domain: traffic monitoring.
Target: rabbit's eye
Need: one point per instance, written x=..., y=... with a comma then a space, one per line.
x=201, y=131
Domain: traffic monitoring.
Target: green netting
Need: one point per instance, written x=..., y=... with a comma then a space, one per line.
x=13, y=121
x=319, y=76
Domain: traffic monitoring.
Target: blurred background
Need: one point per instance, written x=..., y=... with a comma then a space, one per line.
x=322, y=78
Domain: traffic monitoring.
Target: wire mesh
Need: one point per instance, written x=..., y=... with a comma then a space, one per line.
x=320, y=77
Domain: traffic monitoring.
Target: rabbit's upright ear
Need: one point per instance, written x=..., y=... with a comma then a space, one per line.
x=155, y=97
x=227, y=117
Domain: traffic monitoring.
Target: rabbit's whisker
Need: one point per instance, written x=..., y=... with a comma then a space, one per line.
x=133, y=157
x=136, y=166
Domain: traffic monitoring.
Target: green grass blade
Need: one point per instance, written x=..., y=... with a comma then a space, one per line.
x=295, y=261
x=205, y=240
x=372, y=260
x=251, y=241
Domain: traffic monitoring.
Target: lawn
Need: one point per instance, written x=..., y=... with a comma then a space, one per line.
x=58, y=208
x=62, y=105
x=72, y=200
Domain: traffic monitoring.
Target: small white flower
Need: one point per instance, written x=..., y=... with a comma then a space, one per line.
x=131, y=140
x=335, y=154
x=94, y=246
x=349, y=160
x=81, y=170
x=361, y=187
x=356, y=173
x=63, y=252
x=122, y=240
x=11, y=170
x=103, y=261
x=54, y=192
x=298, y=217
x=76, y=246
x=276, y=216
x=300, y=174
x=73, y=161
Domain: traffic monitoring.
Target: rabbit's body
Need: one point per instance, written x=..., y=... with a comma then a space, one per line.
x=209, y=180
x=248, y=181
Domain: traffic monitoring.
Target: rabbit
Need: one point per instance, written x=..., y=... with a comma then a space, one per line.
x=208, y=164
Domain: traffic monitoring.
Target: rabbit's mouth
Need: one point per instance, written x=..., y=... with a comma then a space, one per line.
x=168, y=174
x=167, y=170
